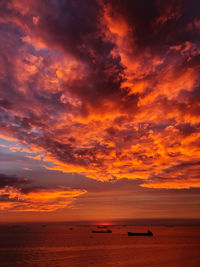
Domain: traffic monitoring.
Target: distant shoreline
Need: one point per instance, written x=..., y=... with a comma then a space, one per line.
x=121, y=222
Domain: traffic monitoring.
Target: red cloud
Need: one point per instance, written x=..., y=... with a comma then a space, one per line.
x=107, y=90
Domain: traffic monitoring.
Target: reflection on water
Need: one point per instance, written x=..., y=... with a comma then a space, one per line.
x=61, y=245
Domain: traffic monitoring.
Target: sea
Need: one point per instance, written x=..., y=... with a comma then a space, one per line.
x=59, y=244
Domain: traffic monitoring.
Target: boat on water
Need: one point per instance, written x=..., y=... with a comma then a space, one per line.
x=102, y=226
x=102, y=231
x=148, y=233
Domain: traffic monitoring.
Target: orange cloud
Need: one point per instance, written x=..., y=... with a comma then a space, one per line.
x=173, y=184
x=40, y=200
x=114, y=94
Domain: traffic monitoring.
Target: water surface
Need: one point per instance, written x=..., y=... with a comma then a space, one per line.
x=62, y=245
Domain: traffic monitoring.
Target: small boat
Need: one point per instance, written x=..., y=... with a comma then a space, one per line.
x=148, y=233
x=102, y=226
x=101, y=231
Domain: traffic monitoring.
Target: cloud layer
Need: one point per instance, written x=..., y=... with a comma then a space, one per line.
x=16, y=197
x=108, y=89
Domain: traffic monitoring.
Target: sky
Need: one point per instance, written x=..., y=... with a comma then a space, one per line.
x=99, y=109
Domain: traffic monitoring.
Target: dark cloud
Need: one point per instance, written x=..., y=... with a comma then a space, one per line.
x=158, y=24
x=187, y=129
x=12, y=180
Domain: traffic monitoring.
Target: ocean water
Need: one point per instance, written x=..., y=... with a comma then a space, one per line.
x=64, y=245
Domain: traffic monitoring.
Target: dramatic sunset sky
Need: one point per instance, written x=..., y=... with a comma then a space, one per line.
x=99, y=109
